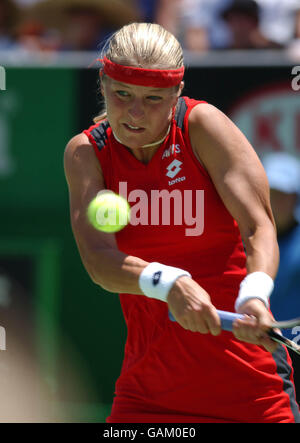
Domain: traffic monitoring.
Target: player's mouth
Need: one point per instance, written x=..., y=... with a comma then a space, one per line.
x=135, y=129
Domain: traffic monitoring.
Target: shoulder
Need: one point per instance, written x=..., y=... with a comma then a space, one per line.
x=79, y=156
x=77, y=140
x=220, y=145
x=204, y=116
x=185, y=105
x=209, y=125
x=77, y=148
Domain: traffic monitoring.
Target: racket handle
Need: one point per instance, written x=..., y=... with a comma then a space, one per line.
x=227, y=319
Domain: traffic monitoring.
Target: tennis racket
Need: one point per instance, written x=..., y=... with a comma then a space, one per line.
x=228, y=318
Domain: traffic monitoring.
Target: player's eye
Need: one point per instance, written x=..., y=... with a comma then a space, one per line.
x=154, y=98
x=122, y=93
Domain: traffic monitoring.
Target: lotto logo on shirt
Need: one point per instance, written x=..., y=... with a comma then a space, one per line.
x=174, y=168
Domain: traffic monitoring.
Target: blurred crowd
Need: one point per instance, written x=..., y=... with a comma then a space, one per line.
x=200, y=25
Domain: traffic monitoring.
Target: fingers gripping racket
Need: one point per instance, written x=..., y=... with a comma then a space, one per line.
x=228, y=318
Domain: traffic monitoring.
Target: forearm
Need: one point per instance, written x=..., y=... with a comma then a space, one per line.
x=262, y=251
x=114, y=270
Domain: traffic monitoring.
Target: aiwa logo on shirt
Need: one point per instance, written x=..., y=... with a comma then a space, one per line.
x=172, y=149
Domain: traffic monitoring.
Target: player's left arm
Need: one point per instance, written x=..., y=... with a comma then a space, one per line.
x=241, y=182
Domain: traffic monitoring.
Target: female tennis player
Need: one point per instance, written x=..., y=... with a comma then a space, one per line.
x=152, y=140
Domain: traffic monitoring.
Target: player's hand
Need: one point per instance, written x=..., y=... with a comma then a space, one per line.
x=191, y=307
x=254, y=328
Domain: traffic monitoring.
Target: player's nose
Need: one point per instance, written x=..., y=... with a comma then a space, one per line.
x=136, y=110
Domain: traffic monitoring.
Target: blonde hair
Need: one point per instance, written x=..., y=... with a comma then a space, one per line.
x=143, y=45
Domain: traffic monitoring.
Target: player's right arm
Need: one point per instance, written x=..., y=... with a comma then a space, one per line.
x=107, y=266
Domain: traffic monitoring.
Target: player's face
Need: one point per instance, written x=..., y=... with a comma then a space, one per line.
x=138, y=115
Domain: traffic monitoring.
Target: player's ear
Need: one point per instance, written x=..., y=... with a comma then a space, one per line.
x=179, y=91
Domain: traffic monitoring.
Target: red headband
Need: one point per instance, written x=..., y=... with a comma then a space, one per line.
x=158, y=78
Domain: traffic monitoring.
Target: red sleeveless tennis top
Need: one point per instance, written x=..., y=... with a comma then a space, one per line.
x=170, y=374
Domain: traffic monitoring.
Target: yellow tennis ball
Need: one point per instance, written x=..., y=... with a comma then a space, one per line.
x=108, y=212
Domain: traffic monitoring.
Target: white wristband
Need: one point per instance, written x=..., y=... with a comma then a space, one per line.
x=156, y=280
x=255, y=285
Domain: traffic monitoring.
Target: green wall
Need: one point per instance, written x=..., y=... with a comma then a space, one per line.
x=79, y=328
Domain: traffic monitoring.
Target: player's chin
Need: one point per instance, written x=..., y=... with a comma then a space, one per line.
x=134, y=142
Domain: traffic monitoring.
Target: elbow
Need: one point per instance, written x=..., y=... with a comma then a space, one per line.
x=262, y=236
x=260, y=229
x=104, y=284
x=97, y=277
